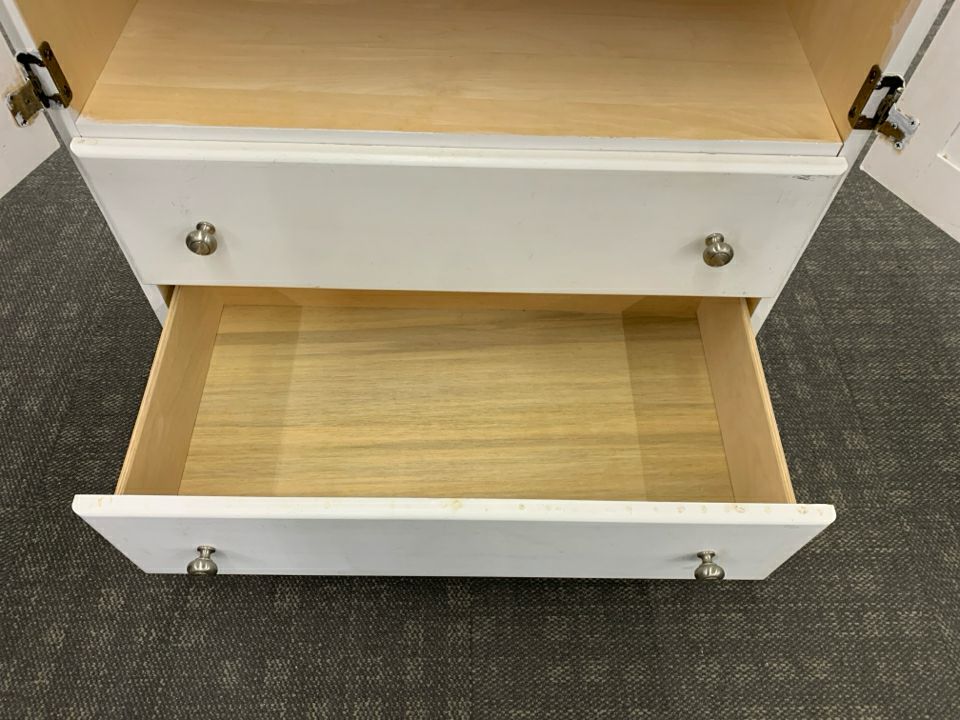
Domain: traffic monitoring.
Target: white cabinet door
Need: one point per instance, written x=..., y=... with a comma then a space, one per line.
x=21, y=148
x=926, y=173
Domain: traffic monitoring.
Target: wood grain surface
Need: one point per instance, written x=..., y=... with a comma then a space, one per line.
x=363, y=402
x=401, y=402
x=843, y=39
x=163, y=430
x=679, y=69
x=348, y=394
x=677, y=306
x=82, y=35
x=677, y=426
x=751, y=441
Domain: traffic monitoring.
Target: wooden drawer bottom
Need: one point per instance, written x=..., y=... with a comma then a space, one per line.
x=309, y=431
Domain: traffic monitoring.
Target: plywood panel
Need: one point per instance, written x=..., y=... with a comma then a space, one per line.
x=82, y=34
x=751, y=441
x=611, y=68
x=424, y=403
x=651, y=306
x=161, y=435
x=313, y=399
x=843, y=39
x=677, y=424
x=440, y=402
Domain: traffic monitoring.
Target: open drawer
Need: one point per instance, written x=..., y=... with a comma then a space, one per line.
x=400, y=433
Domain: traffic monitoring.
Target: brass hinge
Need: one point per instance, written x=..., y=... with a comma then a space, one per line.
x=31, y=97
x=888, y=120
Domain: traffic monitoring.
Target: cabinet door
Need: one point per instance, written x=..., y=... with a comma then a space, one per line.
x=21, y=148
x=926, y=173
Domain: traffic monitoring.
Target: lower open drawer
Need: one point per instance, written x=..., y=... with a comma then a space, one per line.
x=401, y=433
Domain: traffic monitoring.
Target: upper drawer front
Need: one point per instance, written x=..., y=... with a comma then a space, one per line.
x=449, y=219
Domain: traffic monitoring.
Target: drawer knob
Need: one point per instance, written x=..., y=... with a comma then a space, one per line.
x=718, y=252
x=203, y=564
x=708, y=569
x=203, y=240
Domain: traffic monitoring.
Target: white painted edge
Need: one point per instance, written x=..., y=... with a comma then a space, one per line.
x=118, y=149
x=14, y=25
x=898, y=57
x=155, y=298
x=93, y=128
x=851, y=150
x=499, y=510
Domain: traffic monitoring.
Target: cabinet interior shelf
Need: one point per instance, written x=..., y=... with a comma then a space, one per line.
x=668, y=69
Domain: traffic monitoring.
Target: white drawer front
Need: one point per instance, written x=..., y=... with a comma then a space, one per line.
x=397, y=536
x=291, y=215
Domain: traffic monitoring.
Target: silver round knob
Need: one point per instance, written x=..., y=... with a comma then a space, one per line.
x=718, y=252
x=203, y=240
x=708, y=569
x=203, y=564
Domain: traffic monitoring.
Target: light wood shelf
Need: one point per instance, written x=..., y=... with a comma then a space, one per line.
x=674, y=69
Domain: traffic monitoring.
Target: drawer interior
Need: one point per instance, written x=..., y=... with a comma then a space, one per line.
x=673, y=69
x=268, y=392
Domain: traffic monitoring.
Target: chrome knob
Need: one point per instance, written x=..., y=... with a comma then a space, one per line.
x=718, y=251
x=708, y=569
x=203, y=240
x=203, y=564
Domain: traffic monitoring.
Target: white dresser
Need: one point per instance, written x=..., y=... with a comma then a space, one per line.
x=467, y=287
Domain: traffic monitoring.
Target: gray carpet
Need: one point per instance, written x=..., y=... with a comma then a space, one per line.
x=862, y=354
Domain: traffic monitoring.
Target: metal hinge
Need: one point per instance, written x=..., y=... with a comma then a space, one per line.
x=887, y=119
x=31, y=97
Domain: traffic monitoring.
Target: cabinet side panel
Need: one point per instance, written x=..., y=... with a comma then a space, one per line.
x=843, y=39
x=82, y=34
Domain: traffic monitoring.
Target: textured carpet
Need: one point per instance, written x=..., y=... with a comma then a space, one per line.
x=862, y=355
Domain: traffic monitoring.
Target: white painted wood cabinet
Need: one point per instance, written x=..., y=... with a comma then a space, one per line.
x=447, y=308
